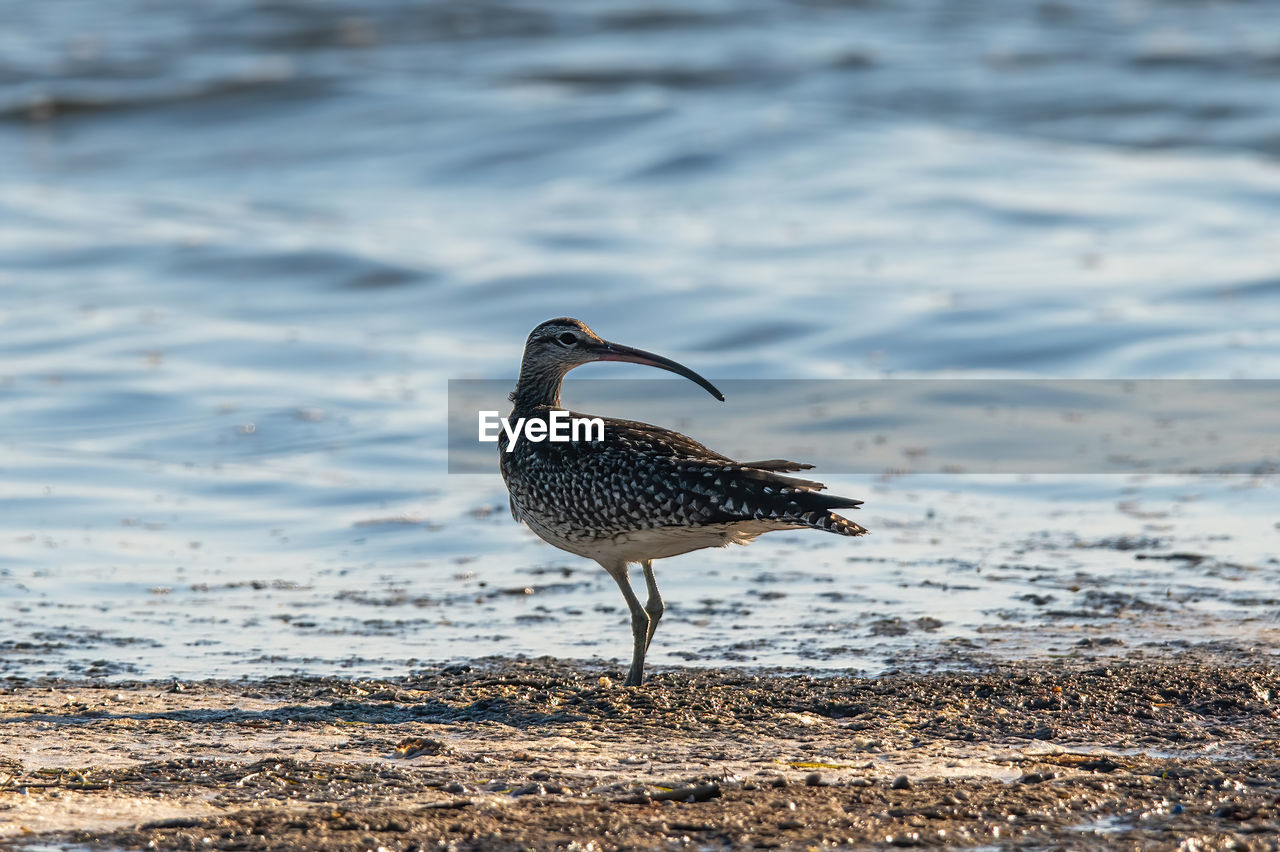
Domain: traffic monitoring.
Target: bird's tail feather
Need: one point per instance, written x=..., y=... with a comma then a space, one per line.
x=831, y=522
x=778, y=465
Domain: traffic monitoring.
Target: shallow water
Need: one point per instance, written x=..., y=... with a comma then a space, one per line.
x=246, y=244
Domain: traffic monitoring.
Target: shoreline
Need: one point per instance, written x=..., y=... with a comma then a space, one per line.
x=543, y=753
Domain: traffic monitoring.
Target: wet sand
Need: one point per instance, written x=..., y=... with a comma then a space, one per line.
x=1076, y=753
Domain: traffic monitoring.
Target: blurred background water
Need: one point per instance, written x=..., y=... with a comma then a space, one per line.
x=243, y=245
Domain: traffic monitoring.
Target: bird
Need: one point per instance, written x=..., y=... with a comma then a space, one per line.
x=641, y=492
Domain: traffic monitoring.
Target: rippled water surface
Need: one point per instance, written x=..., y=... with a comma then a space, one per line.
x=245, y=245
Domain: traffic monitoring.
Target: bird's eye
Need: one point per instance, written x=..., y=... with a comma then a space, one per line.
x=568, y=339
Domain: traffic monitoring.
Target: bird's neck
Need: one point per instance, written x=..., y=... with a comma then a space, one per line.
x=539, y=384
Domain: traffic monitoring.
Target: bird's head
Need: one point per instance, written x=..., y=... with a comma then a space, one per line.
x=557, y=346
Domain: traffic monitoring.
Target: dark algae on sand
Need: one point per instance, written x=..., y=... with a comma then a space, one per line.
x=542, y=754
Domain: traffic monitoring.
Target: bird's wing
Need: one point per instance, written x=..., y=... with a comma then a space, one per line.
x=642, y=476
x=645, y=436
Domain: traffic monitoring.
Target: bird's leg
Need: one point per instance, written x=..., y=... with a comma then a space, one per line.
x=639, y=621
x=654, y=606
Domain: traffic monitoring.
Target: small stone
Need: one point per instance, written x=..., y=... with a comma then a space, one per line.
x=415, y=746
x=814, y=779
x=1037, y=777
x=902, y=782
x=530, y=790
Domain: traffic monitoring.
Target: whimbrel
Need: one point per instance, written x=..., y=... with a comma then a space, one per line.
x=643, y=492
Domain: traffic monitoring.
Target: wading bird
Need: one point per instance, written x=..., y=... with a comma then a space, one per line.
x=644, y=492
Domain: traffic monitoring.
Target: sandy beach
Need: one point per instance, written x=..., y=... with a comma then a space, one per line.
x=1081, y=753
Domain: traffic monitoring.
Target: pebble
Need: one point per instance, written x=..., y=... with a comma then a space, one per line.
x=530, y=790
x=902, y=782
x=1037, y=777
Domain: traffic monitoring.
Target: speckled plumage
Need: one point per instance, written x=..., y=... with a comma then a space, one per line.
x=642, y=492
x=643, y=477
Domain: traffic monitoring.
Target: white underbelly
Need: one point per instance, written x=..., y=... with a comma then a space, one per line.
x=655, y=543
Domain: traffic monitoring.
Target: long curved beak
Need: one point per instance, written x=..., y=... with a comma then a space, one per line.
x=606, y=351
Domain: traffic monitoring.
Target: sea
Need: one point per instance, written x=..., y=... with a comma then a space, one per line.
x=245, y=245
